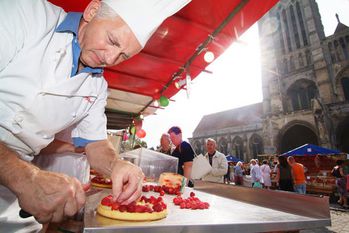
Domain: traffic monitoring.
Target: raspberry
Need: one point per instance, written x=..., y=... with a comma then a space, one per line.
x=107, y=201
x=145, y=188
x=157, y=207
x=131, y=208
x=115, y=206
x=192, y=194
x=140, y=209
x=123, y=208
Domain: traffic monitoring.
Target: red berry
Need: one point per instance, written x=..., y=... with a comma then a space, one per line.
x=145, y=188
x=192, y=194
x=170, y=191
x=115, y=206
x=123, y=208
x=182, y=205
x=140, y=209
x=131, y=208
x=162, y=193
x=202, y=206
x=107, y=201
x=157, y=207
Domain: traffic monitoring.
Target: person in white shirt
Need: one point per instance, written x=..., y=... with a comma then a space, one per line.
x=265, y=170
x=218, y=162
x=256, y=175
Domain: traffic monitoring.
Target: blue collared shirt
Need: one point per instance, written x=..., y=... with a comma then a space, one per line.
x=71, y=24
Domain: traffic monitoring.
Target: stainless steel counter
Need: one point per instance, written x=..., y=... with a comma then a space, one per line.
x=232, y=209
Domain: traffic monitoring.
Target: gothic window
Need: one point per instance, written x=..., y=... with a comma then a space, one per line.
x=344, y=49
x=287, y=30
x=345, y=86
x=301, y=24
x=301, y=96
x=282, y=43
x=294, y=27
x=308, y=57
x=332, y=52
x=256, y=145
x=300, y=60
x=292, y=66
x=238, y=148
x=338, y=51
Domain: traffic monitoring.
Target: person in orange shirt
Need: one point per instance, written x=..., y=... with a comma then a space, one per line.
x=298, y=171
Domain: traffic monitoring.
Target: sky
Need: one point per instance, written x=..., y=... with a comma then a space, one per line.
x=235, y=81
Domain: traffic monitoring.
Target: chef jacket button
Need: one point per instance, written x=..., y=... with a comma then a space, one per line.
x=73, y=115
x=45, y=136
x=19, y=118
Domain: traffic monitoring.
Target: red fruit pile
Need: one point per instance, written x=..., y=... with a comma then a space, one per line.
x=152, y=204
x=162, y=189
x=191, y=202
x=101, y=180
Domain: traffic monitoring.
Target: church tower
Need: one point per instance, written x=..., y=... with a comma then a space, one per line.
x=298, y=79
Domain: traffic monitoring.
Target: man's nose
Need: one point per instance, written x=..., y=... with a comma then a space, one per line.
x=112, y=56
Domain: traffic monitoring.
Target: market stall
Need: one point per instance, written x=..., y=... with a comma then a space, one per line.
x=319, y=162
x=174, y=55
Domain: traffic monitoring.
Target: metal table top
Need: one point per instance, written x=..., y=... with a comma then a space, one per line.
x=229, y=212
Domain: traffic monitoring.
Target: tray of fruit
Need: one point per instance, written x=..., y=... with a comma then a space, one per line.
x=169, y=207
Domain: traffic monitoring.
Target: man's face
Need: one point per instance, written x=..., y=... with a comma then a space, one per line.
x=211, y=147
x=106, y=42
x=176, y=138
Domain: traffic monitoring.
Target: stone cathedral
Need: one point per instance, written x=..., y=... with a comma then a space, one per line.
x=305, y=81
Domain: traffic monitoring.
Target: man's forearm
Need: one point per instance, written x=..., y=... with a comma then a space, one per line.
x=101, y=156
x=14, y=171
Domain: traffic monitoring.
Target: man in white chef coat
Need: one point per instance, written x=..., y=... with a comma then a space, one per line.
x=51, y=65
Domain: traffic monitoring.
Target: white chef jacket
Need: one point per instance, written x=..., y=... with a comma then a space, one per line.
x=38, y=96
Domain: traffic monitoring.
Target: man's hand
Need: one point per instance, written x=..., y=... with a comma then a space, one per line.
x=127, y=178
x=49, y=196
x=127, y=181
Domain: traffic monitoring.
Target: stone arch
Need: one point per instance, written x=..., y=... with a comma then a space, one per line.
x=222, y=145
x=289, y=136
x=256, y=145
x=341, y=87
x=197, y=147
x=300, y=94
x=238, y=147
x=342, y=135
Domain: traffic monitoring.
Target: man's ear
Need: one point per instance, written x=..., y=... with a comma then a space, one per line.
x=91, y=10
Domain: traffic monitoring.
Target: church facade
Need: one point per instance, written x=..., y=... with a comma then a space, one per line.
x=305, y=82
